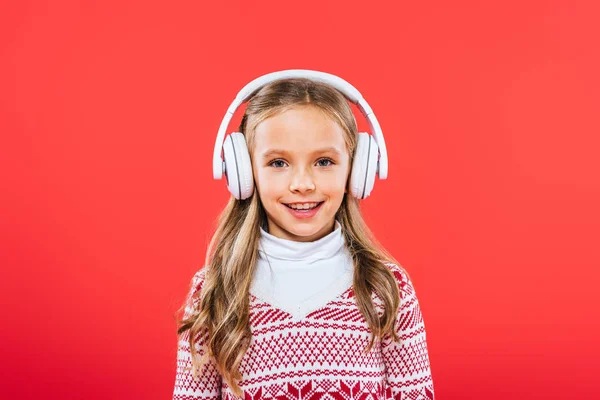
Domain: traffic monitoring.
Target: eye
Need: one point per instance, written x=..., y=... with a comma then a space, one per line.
x=325, y=160
x=277, y=163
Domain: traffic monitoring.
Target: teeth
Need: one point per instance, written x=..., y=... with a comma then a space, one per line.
x=305, y=206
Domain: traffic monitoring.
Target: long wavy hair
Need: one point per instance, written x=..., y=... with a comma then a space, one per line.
x=221, y=317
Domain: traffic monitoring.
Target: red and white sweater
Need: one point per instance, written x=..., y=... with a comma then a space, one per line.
x=319, y=355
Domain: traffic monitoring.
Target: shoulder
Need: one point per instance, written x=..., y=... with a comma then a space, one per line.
x=198, y=279
x=196, y=284
x=402, y=278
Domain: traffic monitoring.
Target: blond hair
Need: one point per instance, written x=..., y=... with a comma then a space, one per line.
x=222, y=314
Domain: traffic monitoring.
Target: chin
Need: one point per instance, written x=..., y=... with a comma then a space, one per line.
x=303, y=230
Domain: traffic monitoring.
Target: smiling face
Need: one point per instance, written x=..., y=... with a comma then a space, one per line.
x=300, y=160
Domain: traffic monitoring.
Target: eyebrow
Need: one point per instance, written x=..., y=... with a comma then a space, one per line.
x=274, y=152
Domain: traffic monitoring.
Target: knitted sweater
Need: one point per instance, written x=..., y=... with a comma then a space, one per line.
x=318, y=356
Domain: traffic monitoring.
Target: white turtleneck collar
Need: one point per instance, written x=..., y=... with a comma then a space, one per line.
x=276, y=249
x=300, y=277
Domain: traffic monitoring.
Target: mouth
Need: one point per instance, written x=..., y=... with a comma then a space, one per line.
x=303, y=206
x=304, y=210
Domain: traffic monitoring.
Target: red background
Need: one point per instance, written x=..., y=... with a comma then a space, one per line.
x=108, y=116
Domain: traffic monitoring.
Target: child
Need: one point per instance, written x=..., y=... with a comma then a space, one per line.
x=297, y=299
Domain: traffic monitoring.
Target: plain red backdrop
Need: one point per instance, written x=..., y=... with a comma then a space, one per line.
x=108, y=116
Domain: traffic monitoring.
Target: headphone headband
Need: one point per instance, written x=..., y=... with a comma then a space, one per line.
x=349, y=91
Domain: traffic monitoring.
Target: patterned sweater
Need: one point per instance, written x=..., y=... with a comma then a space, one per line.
x=319, y=356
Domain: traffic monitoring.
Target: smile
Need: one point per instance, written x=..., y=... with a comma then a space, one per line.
x=304, y=210
x=303, y=206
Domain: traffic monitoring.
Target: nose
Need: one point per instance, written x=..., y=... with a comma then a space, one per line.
x=302, y=181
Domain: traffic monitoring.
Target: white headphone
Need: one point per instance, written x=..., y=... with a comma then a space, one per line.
x=370, y=157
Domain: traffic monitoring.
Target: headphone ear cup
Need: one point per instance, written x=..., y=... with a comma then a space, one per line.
x=238, y=168
x=364, y=166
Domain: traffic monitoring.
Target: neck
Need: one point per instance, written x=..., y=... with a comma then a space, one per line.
x=278, y=248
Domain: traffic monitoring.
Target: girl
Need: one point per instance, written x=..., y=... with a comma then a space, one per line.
x=297, y=299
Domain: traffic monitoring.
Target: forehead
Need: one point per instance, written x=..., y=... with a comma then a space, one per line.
x=299, y=129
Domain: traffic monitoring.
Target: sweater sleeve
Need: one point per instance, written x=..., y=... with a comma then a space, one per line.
x=408, y=372
x=207, y=384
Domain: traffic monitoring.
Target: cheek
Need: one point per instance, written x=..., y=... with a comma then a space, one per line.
x=333, y=185
x=269, y=184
